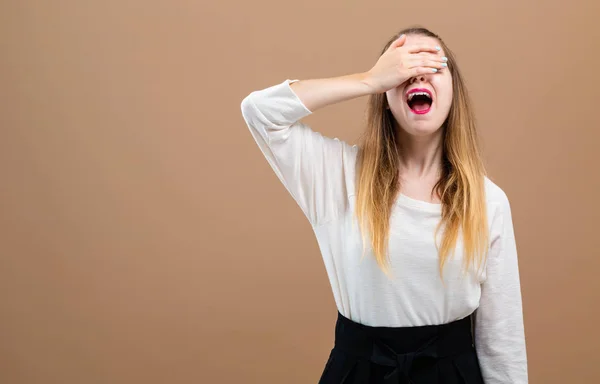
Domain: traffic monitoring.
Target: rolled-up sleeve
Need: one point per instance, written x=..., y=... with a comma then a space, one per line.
x=310, y=165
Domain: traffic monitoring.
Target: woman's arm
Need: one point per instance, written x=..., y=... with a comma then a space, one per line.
x=394, y=67
x=319, y=93
x=311, y=166
x=499, y=330
x=314, y=168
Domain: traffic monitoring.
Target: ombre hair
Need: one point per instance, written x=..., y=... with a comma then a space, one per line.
x=461, y=186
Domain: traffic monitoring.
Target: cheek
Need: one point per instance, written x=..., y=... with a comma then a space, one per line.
x=445, y=91
x=393, y=96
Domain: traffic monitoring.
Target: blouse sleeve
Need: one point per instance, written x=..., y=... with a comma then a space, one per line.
x=499, y=329
x=311, y=166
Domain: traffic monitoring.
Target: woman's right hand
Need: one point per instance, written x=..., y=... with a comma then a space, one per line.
x=399, y=63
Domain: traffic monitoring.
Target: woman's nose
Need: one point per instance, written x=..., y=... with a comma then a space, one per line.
x=417, y=78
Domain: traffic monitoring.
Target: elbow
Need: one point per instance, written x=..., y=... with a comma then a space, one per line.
x=247, y=107
x=253, y=117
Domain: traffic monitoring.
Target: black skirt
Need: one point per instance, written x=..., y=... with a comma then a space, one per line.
x=433, y=354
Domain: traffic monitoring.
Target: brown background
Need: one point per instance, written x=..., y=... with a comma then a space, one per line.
x=143, y=237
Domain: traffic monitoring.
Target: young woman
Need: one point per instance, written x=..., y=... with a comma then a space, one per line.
x=418, y=243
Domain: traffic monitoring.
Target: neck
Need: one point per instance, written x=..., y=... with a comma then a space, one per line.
x=420, y=156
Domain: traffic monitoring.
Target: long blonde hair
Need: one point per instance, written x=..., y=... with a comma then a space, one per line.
x=460, y=187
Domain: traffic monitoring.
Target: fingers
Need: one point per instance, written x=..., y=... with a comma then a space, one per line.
x=424, y=48
x=416, y=71
x=437, y=63
x=429, y=56
x=398, y=42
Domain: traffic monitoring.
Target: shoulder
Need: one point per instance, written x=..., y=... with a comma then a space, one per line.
x=498, y=203
x=495, y=195
x=498, y=207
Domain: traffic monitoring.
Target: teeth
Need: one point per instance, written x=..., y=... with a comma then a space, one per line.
x=410, y=96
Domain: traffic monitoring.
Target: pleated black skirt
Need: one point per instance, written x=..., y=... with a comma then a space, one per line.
x=436, y=354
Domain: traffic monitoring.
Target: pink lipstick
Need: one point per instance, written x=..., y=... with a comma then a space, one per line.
x=419, y=100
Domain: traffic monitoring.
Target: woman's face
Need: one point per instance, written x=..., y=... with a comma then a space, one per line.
x=416, y=114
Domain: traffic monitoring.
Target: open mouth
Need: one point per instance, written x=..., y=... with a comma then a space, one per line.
x=419, y=100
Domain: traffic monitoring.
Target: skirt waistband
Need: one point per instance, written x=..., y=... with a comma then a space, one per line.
x=400, y=347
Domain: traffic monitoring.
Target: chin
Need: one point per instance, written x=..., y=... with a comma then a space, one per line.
x=419, y=124
x=420, y=130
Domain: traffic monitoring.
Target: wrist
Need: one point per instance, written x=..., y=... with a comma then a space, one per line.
x=366, y=81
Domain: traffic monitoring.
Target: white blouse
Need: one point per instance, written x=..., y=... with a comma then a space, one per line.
x=319, y=172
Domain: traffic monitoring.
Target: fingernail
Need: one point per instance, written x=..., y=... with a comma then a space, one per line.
x=438, y=48
x=401, y=36
x=445, y=58
x=434, y=70
x=444, y=64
